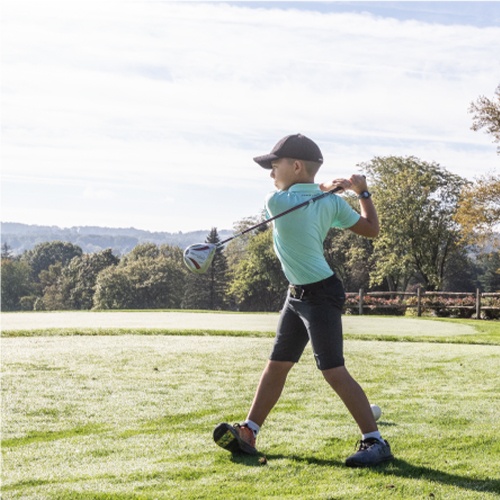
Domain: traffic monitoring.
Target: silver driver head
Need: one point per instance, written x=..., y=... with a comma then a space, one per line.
x=199, y=256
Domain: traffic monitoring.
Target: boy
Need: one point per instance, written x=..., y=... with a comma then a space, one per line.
x=312, y=310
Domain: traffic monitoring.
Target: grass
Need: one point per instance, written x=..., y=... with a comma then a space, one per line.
x=387, y=328
x=130, y=417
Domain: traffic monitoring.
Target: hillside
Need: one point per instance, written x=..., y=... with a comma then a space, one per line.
x=21, y=237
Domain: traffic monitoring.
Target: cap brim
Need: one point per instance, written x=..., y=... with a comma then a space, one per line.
x=265, y=160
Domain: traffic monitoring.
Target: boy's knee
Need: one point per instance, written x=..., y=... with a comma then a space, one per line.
x=279, y=366
x=336, y=375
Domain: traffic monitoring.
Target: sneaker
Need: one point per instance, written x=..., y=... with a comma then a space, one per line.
x=370, y=452
x=235, y=438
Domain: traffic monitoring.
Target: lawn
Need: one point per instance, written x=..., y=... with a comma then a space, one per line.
x=131, y=416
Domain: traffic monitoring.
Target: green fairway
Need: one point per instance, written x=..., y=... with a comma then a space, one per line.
x=131, y=417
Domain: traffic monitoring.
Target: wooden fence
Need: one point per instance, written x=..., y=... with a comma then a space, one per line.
x=466, y=304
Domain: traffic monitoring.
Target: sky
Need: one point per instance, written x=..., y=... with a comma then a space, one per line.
x=147, y=113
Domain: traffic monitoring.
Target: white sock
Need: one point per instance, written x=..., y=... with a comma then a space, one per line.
x=373, y=435
x=252, y=426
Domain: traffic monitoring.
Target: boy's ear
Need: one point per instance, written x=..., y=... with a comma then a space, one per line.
x=298, y=166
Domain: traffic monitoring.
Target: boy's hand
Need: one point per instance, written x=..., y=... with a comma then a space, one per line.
x=356, y=183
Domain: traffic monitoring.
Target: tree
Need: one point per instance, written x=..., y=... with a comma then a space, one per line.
x=6, y=251
x=43, y=255
x=113, y=289
x=479, y=210
x=50, y=281
x=489, y=271
x=258, y=282
x=487, y=115
x=79, y=277
x=208, y=291
x=236, y=250
x=16, y=283
x=416, y=202
x=142, y=251
x=351, y=257
x=146, y=278
x=460, y=273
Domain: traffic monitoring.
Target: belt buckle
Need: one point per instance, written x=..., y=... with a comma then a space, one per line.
x=297, y=292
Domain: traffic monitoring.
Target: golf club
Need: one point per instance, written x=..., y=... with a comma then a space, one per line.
x=199, y=256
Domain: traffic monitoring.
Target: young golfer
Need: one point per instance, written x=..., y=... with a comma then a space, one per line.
x=312, y=310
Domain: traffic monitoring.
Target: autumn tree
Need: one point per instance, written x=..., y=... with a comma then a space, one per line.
x=479, y=210
x=486, y=114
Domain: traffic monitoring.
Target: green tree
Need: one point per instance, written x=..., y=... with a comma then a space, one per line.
x=489, y=271
x=43, y=255
x=79, y=277
x=208, y=291
x=50, y=283
x=114, y=289
x=258, y=282
x=487, y=115
x=16, y=283
x=146, y=278
x=351, y=257
x=143, y=251
x=6, y=251
x=460, y=273
x=416, y=202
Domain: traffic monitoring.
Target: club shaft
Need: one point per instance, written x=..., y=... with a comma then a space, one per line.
x=292, y=209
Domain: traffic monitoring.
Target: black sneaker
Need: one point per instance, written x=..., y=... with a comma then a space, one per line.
x=235, y=438
x=371, y=452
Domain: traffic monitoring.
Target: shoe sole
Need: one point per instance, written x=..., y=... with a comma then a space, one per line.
x=228, y=438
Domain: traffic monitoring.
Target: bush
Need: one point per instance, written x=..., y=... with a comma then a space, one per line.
x=490, y=302
x=441, y=306
x=376, y=306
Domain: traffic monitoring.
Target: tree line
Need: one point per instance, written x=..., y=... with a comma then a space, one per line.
x=437, y=232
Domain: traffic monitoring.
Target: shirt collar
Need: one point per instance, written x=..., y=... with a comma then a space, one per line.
x=304, y=188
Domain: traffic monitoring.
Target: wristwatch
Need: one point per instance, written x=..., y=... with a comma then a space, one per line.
x=364, y=194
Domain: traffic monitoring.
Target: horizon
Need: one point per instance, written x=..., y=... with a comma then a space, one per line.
x=122, y=228
x=147, y=114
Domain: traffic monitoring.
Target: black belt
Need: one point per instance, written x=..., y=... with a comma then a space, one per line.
x=299, y=291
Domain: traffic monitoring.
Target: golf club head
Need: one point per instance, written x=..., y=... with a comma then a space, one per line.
x=199, y=256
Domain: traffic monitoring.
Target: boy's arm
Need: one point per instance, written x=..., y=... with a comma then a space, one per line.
x=367, y=224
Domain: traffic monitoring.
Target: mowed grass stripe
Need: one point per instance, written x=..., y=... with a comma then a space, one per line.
x=407, y=329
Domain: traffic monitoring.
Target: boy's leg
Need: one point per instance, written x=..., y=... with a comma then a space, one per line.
x=269, y=390
x=353, y=396
x=373, y=450
x=239, y=437
x=291, y=339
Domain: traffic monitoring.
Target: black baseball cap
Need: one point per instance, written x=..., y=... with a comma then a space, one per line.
x=295, y=146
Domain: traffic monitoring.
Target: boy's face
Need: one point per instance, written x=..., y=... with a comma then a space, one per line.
x=283, y=173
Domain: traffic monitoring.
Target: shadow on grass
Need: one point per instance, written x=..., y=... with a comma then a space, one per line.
x=396, y=468
x=401, y=468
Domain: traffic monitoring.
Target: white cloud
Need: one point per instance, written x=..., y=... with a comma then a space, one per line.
x=167, y=97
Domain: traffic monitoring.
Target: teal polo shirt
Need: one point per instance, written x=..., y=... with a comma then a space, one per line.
x=299, y=235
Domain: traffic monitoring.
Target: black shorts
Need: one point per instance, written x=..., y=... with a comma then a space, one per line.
x=312, y=312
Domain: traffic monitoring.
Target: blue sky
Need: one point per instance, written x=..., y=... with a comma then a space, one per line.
x=146, y=114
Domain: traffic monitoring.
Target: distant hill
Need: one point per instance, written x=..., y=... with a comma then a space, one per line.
x=21, y=237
